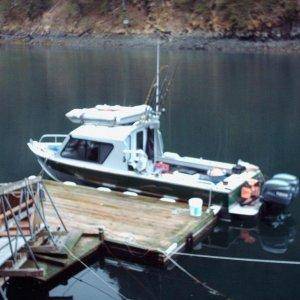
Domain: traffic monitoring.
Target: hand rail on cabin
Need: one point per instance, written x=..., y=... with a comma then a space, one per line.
x=55, y=137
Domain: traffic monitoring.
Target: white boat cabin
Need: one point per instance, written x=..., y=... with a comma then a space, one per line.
x=112, y=137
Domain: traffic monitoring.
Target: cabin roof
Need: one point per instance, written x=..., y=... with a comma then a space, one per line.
x=102, y=133
x=108, y=115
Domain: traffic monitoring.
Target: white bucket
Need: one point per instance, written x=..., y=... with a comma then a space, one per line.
x=195, y=207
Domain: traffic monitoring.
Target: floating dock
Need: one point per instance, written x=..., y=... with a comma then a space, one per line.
x=59, y=227
x=142, y=229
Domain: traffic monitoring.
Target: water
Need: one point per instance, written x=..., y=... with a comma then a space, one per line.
x=221, y=106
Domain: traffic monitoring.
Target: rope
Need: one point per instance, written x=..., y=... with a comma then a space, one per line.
x=211, y=290
x=3, y=294
x=94, y=273
x=74, y=282
x=96, y=288
x=255, y=260
x=42, y=172
x=204, y=284
x=150, y=293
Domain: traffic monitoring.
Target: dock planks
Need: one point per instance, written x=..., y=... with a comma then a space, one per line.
x=144, y=223
x=54, y=267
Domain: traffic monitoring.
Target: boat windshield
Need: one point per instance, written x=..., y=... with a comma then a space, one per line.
x=86, y=150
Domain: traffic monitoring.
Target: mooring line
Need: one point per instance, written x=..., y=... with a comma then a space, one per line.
x=3, y=294
x=204, y=284
x=74, y=282
x=255, y=260
x=95, y=274
x=137, y=280
x=92, y=286
x=85, y=282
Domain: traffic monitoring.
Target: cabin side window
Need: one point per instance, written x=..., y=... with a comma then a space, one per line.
x=150, y=143
x=105, y=150
x=74, y=149
x=87, y=150
x=92, y=151
x=140, y=140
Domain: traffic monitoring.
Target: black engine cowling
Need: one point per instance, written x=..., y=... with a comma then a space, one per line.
x=281, y=189
x=291, y=179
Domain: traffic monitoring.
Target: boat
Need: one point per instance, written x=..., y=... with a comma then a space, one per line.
x=121, y=148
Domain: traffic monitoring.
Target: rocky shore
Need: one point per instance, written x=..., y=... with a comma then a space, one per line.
x=184, y=42
x=204, y=25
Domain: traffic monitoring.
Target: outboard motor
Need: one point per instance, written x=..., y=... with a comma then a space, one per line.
x=281, y=189
x=291, y=179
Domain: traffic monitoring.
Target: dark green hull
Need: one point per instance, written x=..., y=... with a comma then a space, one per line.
x=94, y=178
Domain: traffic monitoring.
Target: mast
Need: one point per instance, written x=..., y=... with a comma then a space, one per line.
x=157, y=79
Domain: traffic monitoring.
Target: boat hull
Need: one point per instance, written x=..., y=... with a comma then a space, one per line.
x=93, y=178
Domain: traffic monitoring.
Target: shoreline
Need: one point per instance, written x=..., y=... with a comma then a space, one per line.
x=188, y=42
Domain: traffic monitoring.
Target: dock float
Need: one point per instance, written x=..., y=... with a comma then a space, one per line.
x=61, y=228
x=134, y=227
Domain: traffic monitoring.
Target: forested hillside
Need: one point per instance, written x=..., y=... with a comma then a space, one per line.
x=247, y=19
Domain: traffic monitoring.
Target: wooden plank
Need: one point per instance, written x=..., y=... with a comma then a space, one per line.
x=19, y=216
x=21, y=272
x=16, y=209
x=43, y=249
x=62, y=240
x=14, y=232
x=54, y=253
x=70, y=240
x=24, y=224
x=51, y=260
x=21, y=259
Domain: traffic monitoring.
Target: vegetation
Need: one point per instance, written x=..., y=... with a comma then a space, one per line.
x=224, y=17
x=249, y=14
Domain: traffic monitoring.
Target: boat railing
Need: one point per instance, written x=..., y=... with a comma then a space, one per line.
x=52, y=138
x=211, y=186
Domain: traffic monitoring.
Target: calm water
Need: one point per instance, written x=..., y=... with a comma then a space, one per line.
x=222, y=106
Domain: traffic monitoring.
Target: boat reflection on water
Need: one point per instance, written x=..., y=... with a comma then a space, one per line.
x=274, y=231
x=277, y=230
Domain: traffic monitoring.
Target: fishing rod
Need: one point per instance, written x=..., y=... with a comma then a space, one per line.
x=167, y=85
x=159, y=90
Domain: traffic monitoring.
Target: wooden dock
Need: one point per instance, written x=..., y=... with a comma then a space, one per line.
x=63, y=226
x=142, y=229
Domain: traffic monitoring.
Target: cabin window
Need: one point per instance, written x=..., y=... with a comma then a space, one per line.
x=105, y=150
x=75, y=149
x=150, y=143
x=92, y=151
x=87, y=150
x=140, y=140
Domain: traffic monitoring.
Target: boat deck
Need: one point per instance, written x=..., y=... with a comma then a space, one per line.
x=135, y=226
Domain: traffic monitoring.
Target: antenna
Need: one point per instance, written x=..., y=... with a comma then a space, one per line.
x=157, y=78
